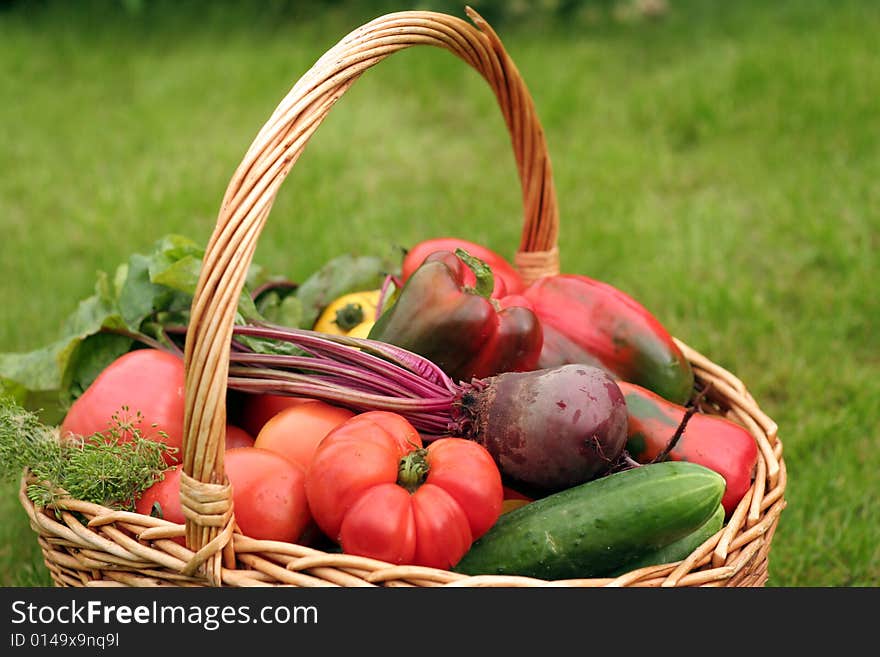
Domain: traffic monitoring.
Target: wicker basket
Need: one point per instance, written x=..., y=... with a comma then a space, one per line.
x=127, y=549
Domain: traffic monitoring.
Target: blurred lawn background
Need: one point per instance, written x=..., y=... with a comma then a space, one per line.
x=718, y=161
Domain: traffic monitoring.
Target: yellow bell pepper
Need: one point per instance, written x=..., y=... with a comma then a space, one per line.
x=351, y=314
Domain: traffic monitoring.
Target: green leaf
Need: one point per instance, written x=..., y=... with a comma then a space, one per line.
x=43, y=369
x=258, y=275
x=94, y=312
x=139, y=296
x=341, y=275
x=146, y=293
x=174, y=247
x=116, y=305
x=176, y=263
x=181, y=275
x=34, y=370
x=93, y=354
x=286, y=310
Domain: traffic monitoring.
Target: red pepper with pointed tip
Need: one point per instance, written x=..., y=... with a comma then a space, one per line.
x=460, y=327
x=591, y=322
x=708, y=440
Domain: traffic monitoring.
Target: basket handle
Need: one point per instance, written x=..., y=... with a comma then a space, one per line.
x=205, y=492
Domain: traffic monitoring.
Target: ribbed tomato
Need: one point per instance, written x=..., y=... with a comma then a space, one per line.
x=375, y=489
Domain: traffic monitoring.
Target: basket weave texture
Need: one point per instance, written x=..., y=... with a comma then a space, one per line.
x=117, y=548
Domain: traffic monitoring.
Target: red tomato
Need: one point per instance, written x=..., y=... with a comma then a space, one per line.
x=268, y=492
x=238, y=437
x=164, y=495
x=507, y=278
x=149, y=382
x=257, y=409
x=296, y=431
x=375, y=490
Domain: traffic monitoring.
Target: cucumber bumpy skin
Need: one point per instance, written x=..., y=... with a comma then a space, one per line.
x=680, y=549
x=593, y=529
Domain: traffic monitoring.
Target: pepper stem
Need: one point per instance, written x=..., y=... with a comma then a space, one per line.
x=349, y=316
x=412, y=470
x=482, y=272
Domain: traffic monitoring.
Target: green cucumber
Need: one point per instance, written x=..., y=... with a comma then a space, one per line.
x=680, y=549
x=592, y=529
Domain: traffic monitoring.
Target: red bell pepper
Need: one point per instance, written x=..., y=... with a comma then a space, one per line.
x=461, y=328
x=507, y=278
x=708, y=440
x=591, y=322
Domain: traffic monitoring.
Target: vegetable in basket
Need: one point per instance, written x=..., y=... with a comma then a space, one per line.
x=268, y=495
x=589, y=321
x=461, y=328
x=162, y=500
x=141, y=391
x=99, y=468
x=351, y=314
x=295, y=432
x=376, y=490
x=711, y=440
x=507, y=278
x=150, y=382
x=252, y=412
x=593, y=529
x=546, y=429
x=679, y=549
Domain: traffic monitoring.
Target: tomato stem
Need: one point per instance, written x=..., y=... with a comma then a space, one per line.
x=413, y=469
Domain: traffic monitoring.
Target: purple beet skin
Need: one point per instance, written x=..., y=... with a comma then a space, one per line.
x=554, y=428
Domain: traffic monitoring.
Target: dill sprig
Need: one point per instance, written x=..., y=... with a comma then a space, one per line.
x=110, y=468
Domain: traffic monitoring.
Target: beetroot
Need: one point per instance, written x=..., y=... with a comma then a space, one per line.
x=552, y=428
x=547, y=429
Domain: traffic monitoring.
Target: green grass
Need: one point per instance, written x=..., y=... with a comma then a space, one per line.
x=722, y=165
